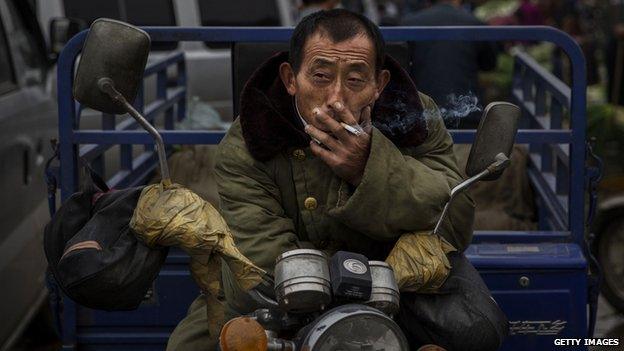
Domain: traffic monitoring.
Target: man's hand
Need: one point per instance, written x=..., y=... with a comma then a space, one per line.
x=345, y=153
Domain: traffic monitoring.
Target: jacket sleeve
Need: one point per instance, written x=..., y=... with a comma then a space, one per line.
x=405, y=190
x=250, y=204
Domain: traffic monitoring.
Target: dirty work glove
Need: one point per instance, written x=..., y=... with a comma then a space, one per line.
x=419, y=262
x=171, y=215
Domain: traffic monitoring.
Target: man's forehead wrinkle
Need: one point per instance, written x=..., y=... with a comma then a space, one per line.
x=328, y=59
x=323, y=61
x=349, y=50
x=324, y=56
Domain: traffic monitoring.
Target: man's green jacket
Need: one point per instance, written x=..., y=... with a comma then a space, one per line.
x=276, y=196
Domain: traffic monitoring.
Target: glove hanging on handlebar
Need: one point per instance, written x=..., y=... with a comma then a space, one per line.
x=419, y=262
x=175, y=216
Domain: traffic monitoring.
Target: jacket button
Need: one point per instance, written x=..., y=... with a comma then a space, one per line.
x=299, y=154
x=310, y=203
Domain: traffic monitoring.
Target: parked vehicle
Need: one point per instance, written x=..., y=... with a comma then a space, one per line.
x=28, y=120
x=606, y=128
x=208, y=63
x=608, y=244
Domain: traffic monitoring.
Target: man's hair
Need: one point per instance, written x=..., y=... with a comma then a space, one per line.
x=340, y=25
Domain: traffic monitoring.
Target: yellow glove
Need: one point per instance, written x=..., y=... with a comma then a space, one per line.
x=175, y=216
x=419, y=262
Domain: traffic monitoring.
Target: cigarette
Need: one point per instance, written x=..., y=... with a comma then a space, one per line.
x=353, y=129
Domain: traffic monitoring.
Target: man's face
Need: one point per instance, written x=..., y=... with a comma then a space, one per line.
x=335, y=72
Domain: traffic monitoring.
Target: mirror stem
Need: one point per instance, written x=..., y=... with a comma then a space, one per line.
x=501, y=163
x=107, y=86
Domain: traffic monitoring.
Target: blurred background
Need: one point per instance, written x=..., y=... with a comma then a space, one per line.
x=462, y=77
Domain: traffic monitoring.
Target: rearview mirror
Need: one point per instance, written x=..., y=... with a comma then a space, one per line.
x=495, y=135
x=110, y=73
x=490, y=151
x=114, y=50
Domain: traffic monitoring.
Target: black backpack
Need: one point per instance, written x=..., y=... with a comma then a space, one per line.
x=93, y=255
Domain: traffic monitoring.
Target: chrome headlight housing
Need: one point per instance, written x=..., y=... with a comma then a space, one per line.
x=353, y=327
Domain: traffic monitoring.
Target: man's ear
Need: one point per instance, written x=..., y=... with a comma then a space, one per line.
x=288, y=78
x=382, y=80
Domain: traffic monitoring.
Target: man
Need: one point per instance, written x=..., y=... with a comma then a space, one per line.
x=447, y=70
x=290, y=176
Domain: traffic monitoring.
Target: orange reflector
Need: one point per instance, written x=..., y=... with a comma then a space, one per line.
x=243, y=334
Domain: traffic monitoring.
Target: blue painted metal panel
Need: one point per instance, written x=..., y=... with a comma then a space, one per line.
x=541, y=287
x=553, y=306
x=498, y=236
x=527, y=255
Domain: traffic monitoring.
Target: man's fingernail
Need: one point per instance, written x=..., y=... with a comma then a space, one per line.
x=316, y=111
x=306, y=128
x=338, y=106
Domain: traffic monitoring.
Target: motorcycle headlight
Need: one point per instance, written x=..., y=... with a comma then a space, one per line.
x=354, y=327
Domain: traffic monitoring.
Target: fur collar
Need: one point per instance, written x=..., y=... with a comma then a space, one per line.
x=270, y=124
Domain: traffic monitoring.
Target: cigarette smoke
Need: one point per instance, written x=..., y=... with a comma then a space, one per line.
x=402, y=117
x=458, y=107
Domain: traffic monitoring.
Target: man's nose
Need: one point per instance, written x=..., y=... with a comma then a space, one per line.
x=336, y=94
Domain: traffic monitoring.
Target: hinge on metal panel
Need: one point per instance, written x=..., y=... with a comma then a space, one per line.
x=51, y=176
x=593, y=175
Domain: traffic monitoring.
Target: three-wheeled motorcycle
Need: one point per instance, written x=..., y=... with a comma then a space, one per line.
x=543, y=280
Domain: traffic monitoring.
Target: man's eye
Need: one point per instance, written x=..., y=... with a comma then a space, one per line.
x=356, y=81
x=321, y=76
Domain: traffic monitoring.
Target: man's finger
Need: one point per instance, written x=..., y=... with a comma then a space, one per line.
x=321, y=136
x=327, y=156
x=344, y=114
x=329, y=124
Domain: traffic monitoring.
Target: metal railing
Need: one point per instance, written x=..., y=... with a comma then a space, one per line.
x=544, y=100
x=169, y=102
x=564, y=197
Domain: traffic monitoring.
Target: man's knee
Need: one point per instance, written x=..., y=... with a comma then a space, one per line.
x=486, y=333
x=192, y=332
x=463, y=316
x=199, y=330
x=453, y=322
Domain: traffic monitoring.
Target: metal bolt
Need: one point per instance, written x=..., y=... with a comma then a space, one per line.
x=524, y=281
